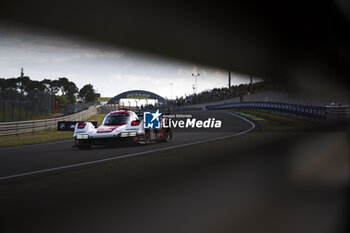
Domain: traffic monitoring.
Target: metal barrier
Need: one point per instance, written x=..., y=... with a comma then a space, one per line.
x=328, y=112
x=107, y=108
x=25, y=127
x=338, y=112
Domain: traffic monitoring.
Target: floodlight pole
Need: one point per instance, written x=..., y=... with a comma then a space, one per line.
x=229, y=79
x=171, y=91
x=195, y=76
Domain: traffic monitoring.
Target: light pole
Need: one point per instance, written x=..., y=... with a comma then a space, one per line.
x=229, y=79
x=195, y=76
x=171, y=90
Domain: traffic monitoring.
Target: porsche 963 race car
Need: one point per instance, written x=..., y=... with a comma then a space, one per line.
x=117, y=127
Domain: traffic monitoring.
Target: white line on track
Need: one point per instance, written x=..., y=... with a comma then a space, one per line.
x=130, y=155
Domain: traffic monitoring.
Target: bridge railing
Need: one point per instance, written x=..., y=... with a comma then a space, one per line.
x=107, y=108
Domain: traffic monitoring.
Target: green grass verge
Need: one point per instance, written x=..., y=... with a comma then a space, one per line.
x=35, y=138
x=279, y=123
x=43, y=137
x=104, y=99
x=98, y=117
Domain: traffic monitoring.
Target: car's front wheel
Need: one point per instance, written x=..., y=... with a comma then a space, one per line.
x=168, y=136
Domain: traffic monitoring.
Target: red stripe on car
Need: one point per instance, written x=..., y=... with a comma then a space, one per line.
x=81, y=126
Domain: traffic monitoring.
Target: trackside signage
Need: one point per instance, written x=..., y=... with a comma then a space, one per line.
x=154, y=120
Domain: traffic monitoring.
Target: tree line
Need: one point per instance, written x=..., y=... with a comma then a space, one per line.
x=66, y=91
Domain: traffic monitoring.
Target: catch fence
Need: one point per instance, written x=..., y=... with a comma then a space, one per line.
x=25, y=127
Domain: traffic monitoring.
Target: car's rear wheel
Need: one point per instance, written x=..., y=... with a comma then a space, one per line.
x=82, y=144
x=147, y=137
x=168, y=136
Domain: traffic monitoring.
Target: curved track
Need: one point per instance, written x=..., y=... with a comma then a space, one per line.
x=26, y=161
x=242, y=185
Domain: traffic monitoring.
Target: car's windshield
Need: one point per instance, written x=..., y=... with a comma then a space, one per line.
x=117, y=119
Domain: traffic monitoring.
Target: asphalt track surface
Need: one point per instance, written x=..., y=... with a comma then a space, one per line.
x=218, y=186
x=42, y=159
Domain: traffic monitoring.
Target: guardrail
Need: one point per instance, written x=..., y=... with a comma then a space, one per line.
x=338, y=112
x=107, y=108
x=327, y=112
x=25, y=127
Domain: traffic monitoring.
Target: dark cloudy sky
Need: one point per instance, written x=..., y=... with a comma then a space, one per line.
x=111, y=70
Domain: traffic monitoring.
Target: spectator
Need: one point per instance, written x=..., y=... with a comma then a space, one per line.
x=218, y=94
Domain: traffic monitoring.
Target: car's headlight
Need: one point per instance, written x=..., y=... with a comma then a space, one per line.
x=132, y=134
x=82, y=136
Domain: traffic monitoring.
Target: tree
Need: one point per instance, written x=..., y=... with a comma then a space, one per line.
x=23, y=84
x=63, y=84
x=87, y=93
x=34, y=86
x=71, y=92
x=55, y=86
x=68, y=89
x=10, y=84
x=47, y=85
x=61, y=99
x=2, y=84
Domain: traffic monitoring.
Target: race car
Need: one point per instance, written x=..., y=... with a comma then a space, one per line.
x=118, y=127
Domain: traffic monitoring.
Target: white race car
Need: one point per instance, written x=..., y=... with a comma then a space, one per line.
x=118, y=126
